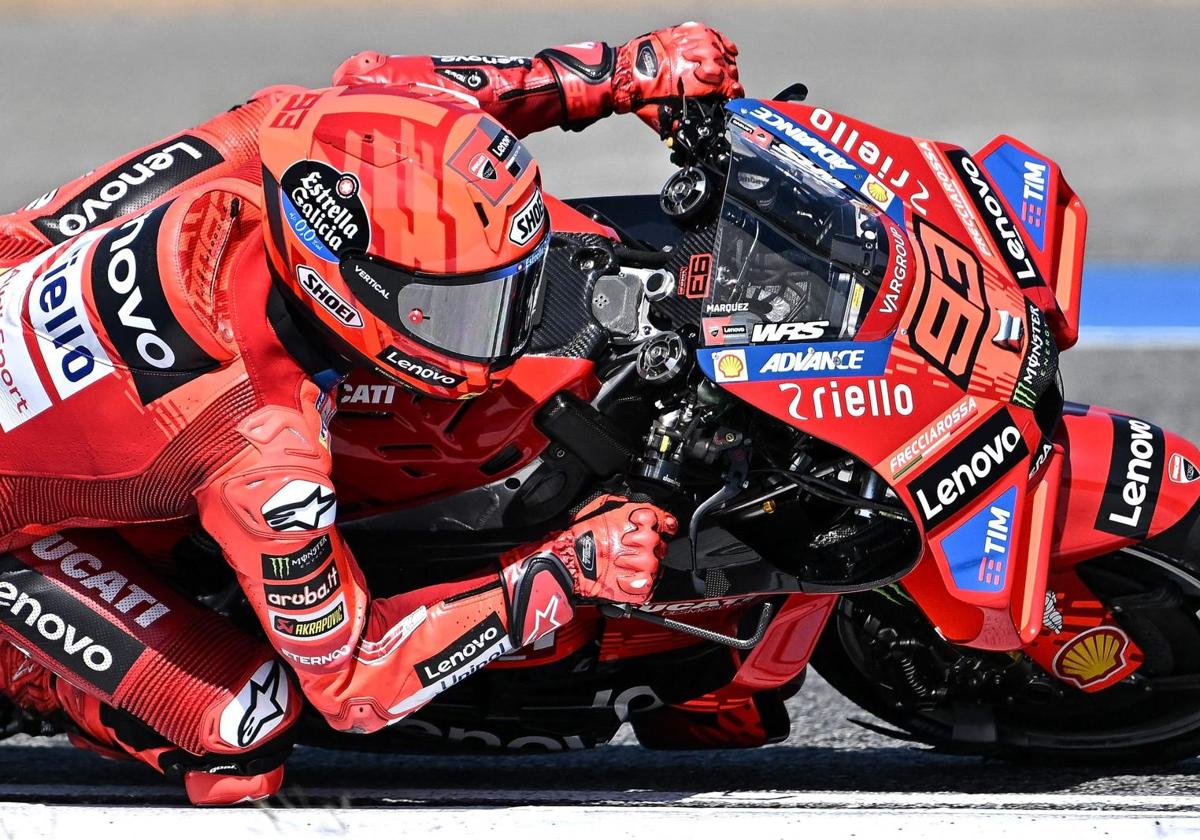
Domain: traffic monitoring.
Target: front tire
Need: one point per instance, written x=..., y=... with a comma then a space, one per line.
x=880, y=651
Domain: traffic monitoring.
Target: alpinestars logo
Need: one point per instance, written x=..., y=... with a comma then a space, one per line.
x=258, y=708
x=301, y=506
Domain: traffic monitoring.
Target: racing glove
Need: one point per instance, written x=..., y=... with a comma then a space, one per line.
x=611, y=551
x=665, y=66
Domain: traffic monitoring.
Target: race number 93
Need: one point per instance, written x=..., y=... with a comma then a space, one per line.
x=952, y=314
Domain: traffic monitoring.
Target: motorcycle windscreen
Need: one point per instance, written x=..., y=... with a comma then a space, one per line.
x=798, y=256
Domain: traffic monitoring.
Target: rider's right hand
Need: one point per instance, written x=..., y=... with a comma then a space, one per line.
x=663, y=67
x=613, y=548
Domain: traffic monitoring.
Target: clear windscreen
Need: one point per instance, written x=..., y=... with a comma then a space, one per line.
x=798, y=255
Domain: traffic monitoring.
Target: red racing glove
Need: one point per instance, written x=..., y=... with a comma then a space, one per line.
x=611, y=551
x=663, y=67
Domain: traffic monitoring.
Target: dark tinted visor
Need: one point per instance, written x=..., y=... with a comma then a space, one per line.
x=485, y=316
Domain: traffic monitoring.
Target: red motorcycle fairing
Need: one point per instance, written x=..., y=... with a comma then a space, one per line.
x=1127, y=481
x=984, y=263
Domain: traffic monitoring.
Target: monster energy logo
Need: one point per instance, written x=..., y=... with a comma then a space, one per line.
x=1024, y=396
x=298, y=564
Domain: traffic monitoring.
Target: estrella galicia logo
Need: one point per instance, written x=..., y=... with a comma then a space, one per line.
x=801, y=361
x=585, y=553
x=301, y=506
x=1135, y=473
x=324, y=209
x=978, y=551
x=967, y=471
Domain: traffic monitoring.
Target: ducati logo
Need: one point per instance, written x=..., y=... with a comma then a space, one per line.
x=482, y=167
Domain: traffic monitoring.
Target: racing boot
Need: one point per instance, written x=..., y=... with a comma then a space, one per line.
x=44, y=704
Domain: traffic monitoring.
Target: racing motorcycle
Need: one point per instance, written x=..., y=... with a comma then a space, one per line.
x=832, y=351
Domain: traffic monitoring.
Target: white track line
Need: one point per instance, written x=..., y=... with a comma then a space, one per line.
x=295, y=797
x=21, y=821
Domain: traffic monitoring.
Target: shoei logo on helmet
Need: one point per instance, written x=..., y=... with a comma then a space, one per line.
x=315, y=285
x=418, y=370
x=528, y=220
x=324, y=209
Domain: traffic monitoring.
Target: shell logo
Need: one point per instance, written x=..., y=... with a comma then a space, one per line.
x=730, y=366
x=877, y=192
x=1092, y=656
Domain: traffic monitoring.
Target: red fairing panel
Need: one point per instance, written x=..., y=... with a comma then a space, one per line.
x=1126, y=480
x=392, y=449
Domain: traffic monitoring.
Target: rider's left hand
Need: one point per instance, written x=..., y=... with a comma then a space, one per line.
x=666, y=66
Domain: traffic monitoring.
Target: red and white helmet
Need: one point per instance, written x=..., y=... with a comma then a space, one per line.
x=411, y=225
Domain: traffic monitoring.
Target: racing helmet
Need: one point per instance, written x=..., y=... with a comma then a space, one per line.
x=410, y=226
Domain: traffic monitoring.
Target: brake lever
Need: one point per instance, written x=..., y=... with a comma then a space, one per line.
x=626, y=611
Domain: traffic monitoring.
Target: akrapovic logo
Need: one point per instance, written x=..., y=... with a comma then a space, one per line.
x=463, y=652
x=528, y=220
x=312, y=625
x=131, y=186
x=335, y=304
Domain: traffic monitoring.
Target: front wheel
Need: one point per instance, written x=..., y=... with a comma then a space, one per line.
x=880, y=651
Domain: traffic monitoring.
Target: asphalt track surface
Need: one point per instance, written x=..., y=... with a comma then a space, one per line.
x=1107, y=90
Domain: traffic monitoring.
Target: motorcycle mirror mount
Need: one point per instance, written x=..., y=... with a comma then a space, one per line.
x=795, y=92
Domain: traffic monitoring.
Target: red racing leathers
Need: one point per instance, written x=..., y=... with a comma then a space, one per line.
x=149, y=372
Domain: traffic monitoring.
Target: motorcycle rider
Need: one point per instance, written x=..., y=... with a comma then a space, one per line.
x=173, y=327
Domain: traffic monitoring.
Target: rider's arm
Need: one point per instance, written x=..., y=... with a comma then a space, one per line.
x=572, y=85
x=138, y=180
x=363, y=662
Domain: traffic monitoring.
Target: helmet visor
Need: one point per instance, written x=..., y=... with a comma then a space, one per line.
x=484, y=316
